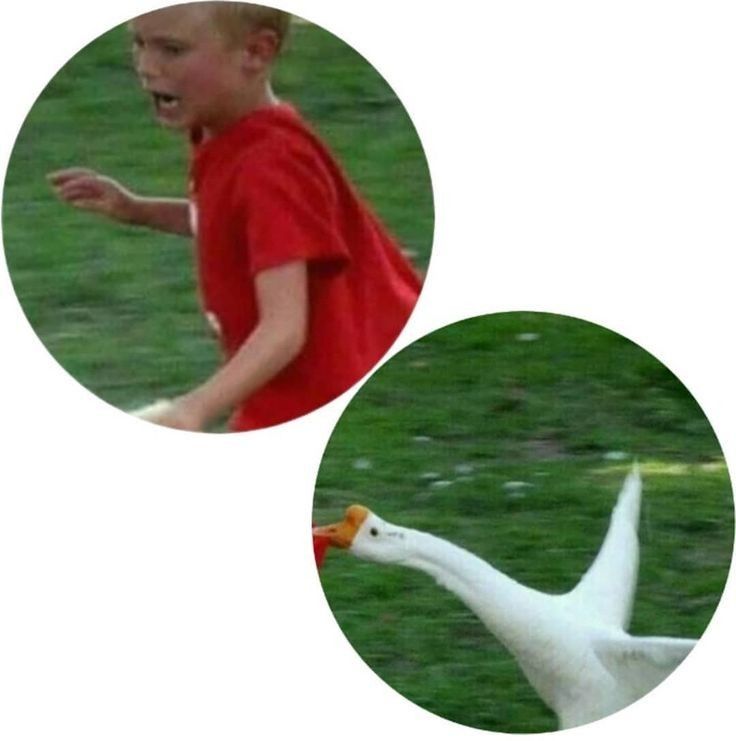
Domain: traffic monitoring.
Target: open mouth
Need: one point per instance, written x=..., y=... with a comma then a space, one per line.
x=165, y=101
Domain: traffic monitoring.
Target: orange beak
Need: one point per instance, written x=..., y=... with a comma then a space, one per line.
x=341, y=534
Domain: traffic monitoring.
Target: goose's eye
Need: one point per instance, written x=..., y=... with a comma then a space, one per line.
x=374, y=531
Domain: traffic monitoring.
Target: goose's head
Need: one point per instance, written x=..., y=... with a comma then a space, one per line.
x=366, y=536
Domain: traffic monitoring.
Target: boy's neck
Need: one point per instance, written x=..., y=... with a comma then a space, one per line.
x=265, y=98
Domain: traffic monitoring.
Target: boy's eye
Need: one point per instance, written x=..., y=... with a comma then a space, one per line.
x=173, y=50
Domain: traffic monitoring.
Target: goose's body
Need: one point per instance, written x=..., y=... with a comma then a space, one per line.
x=573, y=648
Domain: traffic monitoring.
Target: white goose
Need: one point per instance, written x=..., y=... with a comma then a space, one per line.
x=573, y=648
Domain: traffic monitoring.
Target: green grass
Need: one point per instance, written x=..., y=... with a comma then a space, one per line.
x=116, y=306
x=473, y=406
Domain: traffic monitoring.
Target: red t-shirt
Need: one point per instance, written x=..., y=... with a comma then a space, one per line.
x=267, y=192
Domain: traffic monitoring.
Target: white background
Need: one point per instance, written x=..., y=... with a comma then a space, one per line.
x=159, y=585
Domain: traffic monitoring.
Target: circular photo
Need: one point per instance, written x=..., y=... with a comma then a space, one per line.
x=217, y=216
x=524, y=522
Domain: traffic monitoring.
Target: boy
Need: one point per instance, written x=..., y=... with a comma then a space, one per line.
x=303, y=285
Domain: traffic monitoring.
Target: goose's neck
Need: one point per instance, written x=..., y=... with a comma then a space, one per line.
x=505, y=607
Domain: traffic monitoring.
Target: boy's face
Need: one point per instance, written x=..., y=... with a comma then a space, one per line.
x=193, y=76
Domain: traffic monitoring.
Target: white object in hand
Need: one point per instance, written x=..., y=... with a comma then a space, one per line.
x=153, y=412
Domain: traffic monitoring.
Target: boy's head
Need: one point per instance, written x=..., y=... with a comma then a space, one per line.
x=206, y=64
x=236, y=20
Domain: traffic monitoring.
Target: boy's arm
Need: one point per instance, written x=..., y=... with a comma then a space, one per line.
x=278, y=338
x=163, y=214
x=91, y=191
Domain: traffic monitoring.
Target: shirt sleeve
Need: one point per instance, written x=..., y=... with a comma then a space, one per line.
x=288, y=211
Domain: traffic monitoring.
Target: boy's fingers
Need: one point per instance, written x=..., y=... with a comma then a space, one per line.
x=62, y=176
x=92, y=185
x=84, y=188
x=76, y=198
x=80, y=186
x=82, y=203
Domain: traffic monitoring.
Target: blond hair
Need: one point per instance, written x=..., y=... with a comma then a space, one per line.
x=237, y=19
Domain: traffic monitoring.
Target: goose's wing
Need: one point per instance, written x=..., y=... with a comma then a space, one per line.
x=640, y=664
x=607, y=588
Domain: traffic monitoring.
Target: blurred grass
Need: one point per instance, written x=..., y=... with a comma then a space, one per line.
x=116, y=306
x=430, y=441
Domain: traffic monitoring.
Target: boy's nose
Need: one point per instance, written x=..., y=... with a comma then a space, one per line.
x=145, y=65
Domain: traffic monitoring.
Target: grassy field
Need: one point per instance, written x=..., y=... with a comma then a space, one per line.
x=117, y=306
x=430, y=442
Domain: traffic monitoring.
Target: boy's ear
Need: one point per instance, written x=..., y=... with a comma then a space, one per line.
x=261, y=48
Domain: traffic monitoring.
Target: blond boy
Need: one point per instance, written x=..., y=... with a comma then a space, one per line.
x=303, y=284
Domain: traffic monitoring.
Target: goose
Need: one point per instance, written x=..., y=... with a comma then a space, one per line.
x=573, y=648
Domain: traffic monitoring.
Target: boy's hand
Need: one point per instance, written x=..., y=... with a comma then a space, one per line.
x=179, y=414
x=91, y=191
